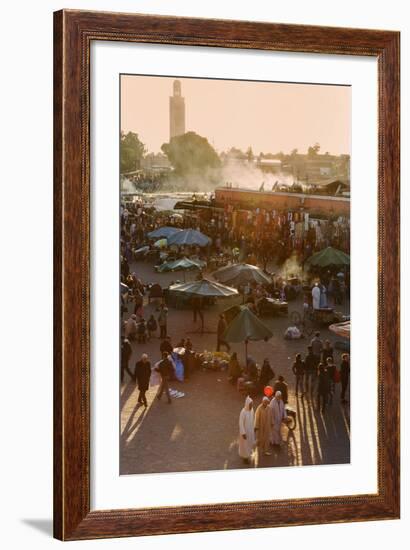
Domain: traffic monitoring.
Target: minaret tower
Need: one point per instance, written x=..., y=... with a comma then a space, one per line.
x=176, y=111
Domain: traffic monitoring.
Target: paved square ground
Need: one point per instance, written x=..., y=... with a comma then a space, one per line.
x=200, y=430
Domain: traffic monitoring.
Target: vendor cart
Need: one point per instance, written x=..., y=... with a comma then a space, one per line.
x=312, y=319
x=270, y=307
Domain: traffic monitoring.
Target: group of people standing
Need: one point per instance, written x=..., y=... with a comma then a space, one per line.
x=261, y=429
x=318, y=371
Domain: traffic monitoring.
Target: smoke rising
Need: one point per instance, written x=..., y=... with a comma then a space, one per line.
x=247, y=175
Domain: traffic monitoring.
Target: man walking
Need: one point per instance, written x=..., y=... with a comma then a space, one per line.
x=166, y=370
x=310, y=368
x=263, y=427
x=327, y=352
x=298, y=370
x=317, y=348
x=322, y=388
x=197, y=309
x=278, y=412
x=246, y=441
x=162, y=321
x=166, y=345
x=126, y=351
x=344, y=375
x=331, y=370
x=220, y=333
x=142, y=374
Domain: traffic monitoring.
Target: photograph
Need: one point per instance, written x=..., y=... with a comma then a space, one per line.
x=234, y=266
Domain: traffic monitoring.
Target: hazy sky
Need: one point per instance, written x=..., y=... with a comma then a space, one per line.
x=268, y=116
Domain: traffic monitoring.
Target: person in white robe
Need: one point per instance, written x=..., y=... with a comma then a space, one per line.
x=246, y=431
x=316, y=297
x=323, y=296
x=278, y=413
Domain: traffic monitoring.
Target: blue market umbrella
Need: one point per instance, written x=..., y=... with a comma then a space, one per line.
x=163, y=232
x=189, y=237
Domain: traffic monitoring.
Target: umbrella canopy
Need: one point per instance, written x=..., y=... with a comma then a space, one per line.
x=341, y=329
x=161, y=243
x=163, y=232
x=238, y=274
x=246, y=326
x=189, y=237
x=327, y=257
x=205, y=288
x=182, y=264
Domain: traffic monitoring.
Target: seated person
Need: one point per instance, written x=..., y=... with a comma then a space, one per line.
x=251, y=372
x=234, y=369
x=266, y=374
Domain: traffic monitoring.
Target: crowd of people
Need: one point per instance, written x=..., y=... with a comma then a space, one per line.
x=316, y=373
x=175, y=363
x=263, y=237
x=261, y=429
x=315, y=376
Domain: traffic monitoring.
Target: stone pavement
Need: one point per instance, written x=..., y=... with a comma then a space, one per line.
x=199, y=431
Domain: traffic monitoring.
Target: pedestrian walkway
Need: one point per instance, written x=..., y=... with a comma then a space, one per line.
x=199, y=431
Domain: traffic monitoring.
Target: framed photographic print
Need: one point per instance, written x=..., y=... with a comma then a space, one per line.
x=226, y=275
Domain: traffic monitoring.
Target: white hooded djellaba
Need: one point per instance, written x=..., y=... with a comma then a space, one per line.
x=246, y=428
x=278, y=415
x=316, y=297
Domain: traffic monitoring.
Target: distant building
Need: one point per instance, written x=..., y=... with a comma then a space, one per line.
x=155, y=163
x=273, y=166
x=249, y=199
x=176, y=112
x=317, y=168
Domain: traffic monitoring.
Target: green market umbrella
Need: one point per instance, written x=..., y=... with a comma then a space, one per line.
x=182, y=264
x=328, y=257
x=204, y=289
x=246, y=326
x=239, y=274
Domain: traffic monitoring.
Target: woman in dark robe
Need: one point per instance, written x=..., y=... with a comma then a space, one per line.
x=266, y=374
x=142, y=375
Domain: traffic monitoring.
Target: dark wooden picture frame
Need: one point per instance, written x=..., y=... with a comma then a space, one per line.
x=73, y=33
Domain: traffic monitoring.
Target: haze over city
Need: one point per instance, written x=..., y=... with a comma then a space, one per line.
x=268, y=116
